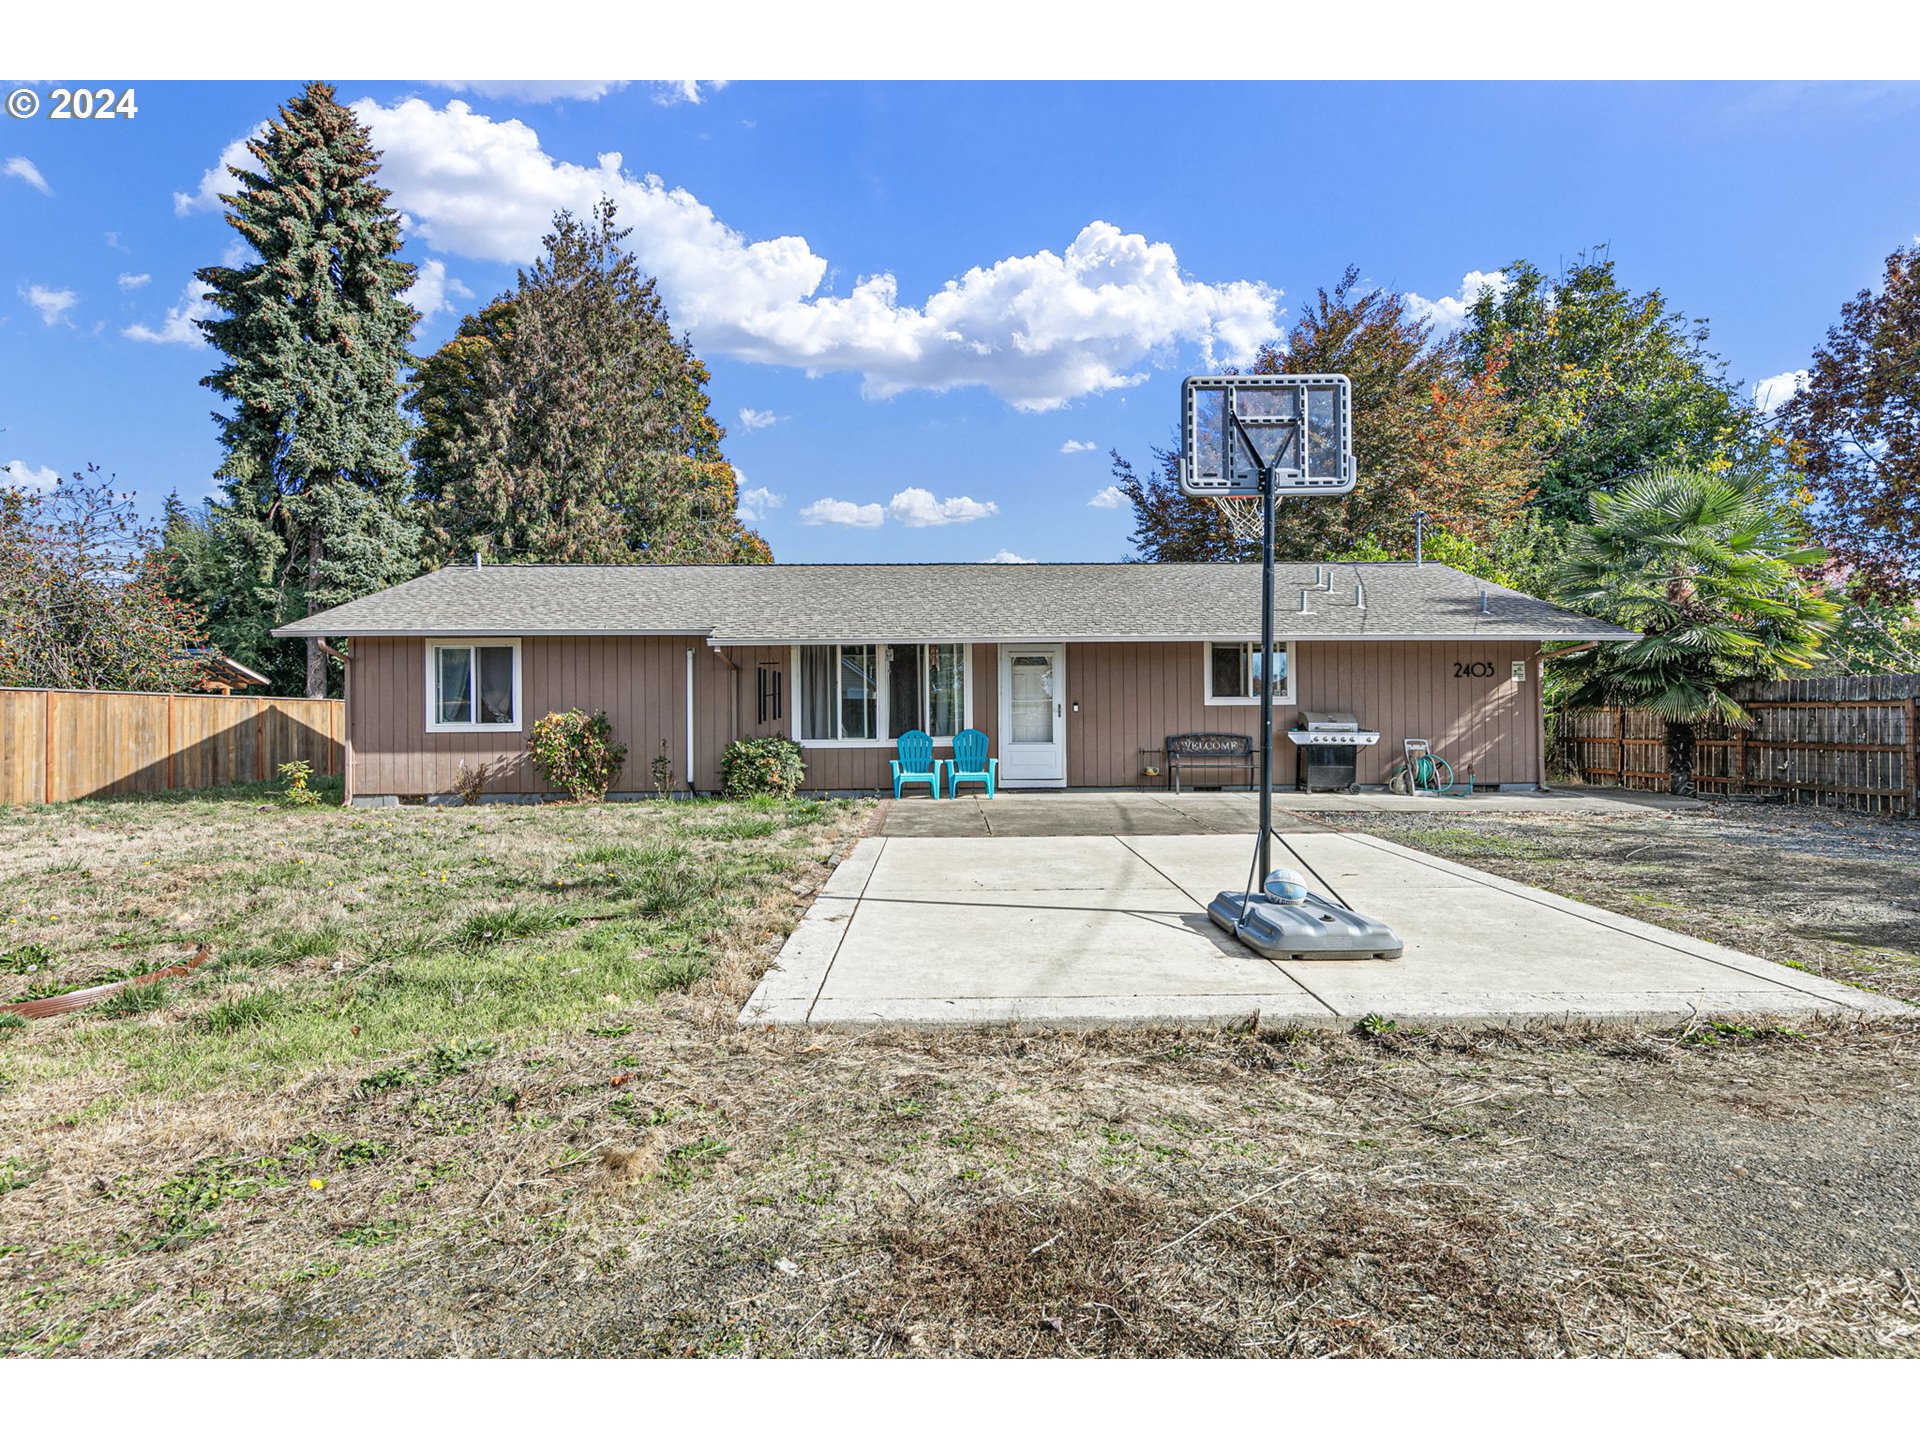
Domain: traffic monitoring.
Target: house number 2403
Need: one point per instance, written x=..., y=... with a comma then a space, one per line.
x=1472, y=669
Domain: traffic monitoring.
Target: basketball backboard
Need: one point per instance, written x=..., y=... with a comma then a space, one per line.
x=1300, y=426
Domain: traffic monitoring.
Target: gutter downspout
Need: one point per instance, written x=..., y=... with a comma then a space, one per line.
x=691, y=789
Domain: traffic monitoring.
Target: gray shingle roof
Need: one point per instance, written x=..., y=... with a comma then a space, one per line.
x=780, y=604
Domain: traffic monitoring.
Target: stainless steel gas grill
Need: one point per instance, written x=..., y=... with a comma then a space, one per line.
x=1327, y=749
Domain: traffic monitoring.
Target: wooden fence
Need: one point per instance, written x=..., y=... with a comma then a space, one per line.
x=1850, y=741
x=76, y=744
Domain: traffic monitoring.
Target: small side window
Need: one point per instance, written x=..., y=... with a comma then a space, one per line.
x=474, y=687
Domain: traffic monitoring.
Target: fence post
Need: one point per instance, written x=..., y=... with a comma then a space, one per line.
x=1739, y=785
x=1620, y=747
x=1911, y=780
x=46, y=768
x=170, y=746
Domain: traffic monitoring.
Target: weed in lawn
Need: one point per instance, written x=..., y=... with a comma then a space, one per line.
x=690, y=1162
x=515, y=922
x=250, y=1011
x=25, y=960
x=375, y=1232
x=135, y=1000
x=17, y=1174
x=181, y=1205
x=1373, y=1024
x=309, y=944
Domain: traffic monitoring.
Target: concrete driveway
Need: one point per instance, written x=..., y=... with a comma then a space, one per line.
x=1080, y=930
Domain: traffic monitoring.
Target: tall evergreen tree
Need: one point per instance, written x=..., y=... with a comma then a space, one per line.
x=565, y=423
x=314, y=334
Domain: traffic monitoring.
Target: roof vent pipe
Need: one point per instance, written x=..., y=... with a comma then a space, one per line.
x=476, y=559
x=1359, y=595
x=1483, y=603
x=1303, y=602
x=1419, y=537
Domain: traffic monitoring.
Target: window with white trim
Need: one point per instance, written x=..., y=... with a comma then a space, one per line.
x=474, y=685
x=876, y=693
x=1233, y=673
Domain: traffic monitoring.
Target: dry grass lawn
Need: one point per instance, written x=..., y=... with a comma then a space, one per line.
x=468, y=1082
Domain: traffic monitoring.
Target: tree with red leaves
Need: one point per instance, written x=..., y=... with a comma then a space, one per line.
x=1853, y=433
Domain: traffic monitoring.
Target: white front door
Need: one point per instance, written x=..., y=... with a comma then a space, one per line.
x=1033, y=715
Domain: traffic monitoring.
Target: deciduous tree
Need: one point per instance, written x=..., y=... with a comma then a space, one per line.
x=1853, y=433
x=82, y=604
x=1606, y=383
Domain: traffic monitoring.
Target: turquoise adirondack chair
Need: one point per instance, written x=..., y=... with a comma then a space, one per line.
x=970, y=762
x=916, y=765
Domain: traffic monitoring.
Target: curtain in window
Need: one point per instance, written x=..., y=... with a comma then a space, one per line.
x=946, y=698
x=904, y=708
x=454, y=670
x=859, y=693
x=496, y=684
x=817, y=692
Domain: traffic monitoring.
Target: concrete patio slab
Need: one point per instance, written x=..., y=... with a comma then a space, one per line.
x=1222, y=812
x=1112, y=930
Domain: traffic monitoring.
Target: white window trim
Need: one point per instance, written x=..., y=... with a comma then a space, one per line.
x=881, y=716
x=1284, y=697
x=434, y=723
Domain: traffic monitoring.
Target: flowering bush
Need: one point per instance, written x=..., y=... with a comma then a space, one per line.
x=576, y=753
x=763, y=765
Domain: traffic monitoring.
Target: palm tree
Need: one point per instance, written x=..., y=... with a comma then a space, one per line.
x=1708, y=568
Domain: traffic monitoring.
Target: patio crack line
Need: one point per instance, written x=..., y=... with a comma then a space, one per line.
x=1534, y=898
x=1310, y=992
x=845, y=928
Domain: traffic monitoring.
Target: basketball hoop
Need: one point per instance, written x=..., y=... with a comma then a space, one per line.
x=1242, y=514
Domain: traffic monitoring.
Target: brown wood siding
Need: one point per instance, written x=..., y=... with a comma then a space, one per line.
x=640, y=681
x=1132, y=696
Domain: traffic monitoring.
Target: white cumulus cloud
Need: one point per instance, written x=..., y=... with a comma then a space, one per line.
x=433, y=290
x=755, y=503
x=756, y=419
x=216, y=181
x=1774, y=391
x=1076, y=447
x=133, y=282
x=1449, y=312
x=1007, y=557
x=916, y=508
x=52, y=304
x=842, y=512
x=179, y=328
x=27, y=477
x=22, y=168
x=1111, y=498
x=1038, y=330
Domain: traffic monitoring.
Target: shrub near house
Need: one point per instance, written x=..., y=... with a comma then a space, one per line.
x=576, y=753
x=764, y=765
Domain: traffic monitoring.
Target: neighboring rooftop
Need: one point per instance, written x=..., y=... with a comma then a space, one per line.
x=794, y=604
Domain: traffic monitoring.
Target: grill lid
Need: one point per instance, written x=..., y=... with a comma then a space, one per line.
x=1327, y=720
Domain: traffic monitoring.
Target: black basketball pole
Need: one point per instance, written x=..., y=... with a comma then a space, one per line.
x=1266, y=673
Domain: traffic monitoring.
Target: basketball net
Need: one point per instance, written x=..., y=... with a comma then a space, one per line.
x=1242, y=514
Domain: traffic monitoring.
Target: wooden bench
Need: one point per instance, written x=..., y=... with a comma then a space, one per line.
x=1209, y=752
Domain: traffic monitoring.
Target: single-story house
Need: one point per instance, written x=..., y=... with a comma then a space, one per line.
x=1078, y=672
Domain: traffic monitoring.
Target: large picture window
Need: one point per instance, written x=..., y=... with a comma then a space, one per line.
x=1233, y=673
x=474, y=685
x=876, y=693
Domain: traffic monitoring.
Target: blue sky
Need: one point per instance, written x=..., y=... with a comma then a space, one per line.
x=919, y=300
